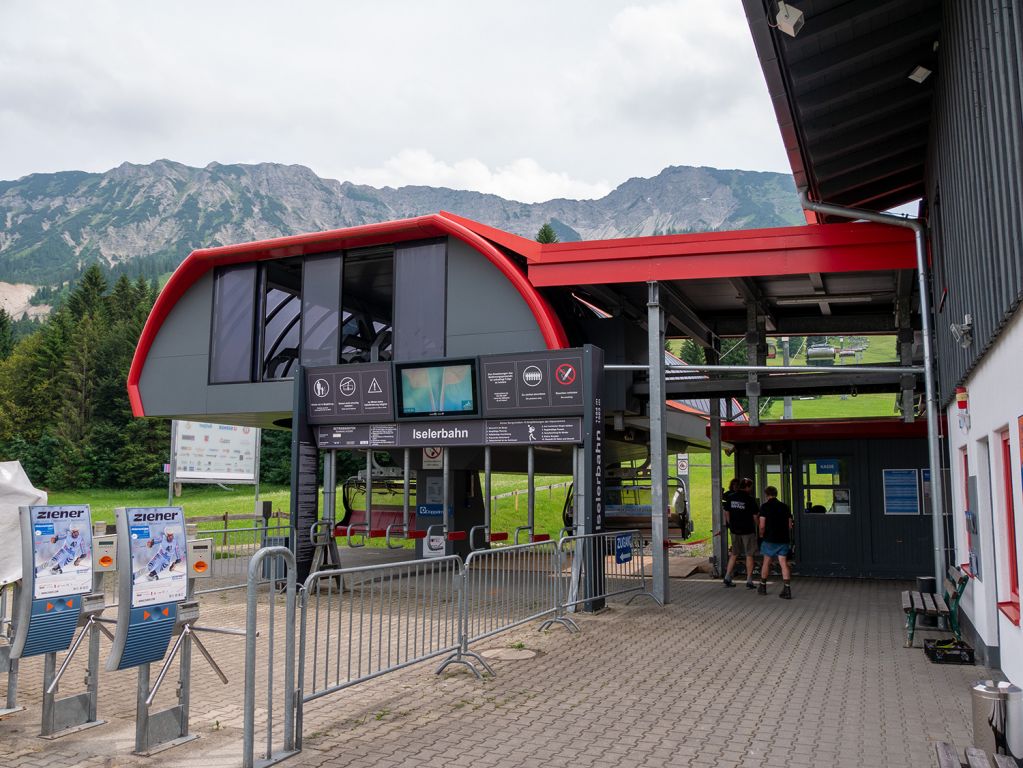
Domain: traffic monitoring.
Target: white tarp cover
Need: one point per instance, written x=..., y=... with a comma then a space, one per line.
x=16, y=490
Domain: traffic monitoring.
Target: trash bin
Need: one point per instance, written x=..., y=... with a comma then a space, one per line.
x=926, y=585
x=998, y=717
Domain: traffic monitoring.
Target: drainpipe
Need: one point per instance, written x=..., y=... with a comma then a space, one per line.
x=933, y=447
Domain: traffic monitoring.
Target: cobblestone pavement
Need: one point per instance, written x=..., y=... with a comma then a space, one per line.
x=718, y=678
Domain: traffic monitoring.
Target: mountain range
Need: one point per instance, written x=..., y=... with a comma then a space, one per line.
x=144, y=219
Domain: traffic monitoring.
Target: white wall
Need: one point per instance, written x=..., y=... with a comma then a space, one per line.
x=996, y=402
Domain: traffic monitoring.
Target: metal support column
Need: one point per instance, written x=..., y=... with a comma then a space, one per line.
x=658, y=445
x=369, y=492
x=531, y=490
x=330, y=487
x=785, y=358
x=756, y=354
x=717, y=519
x=907, y=398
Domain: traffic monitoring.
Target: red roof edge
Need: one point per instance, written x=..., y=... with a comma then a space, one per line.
x=522, y=245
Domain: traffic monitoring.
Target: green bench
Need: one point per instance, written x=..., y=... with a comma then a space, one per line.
x=944, y=605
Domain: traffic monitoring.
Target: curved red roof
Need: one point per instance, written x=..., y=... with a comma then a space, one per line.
x=201, y=261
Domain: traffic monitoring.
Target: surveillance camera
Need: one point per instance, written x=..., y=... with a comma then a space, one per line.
x=963, y=332
x=789, y=19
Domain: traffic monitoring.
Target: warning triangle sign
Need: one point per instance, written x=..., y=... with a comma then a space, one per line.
x=374, y=387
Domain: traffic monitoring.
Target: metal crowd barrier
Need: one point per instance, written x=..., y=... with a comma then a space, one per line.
x=509, y=586
x=357, y=624
x=233, y=549
x=360, y=623
x=604, y=565
x=277, y=736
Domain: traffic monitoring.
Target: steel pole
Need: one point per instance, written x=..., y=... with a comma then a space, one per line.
x=933, y=425
x=658, y=444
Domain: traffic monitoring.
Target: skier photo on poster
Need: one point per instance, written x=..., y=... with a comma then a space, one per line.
x=62, y=544
x=159, y=572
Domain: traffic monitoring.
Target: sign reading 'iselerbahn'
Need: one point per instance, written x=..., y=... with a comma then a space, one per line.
x=452, y=433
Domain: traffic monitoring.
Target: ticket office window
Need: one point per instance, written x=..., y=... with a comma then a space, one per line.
x=826, y=488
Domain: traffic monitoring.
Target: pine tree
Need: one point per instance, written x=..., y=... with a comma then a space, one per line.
x=546, y=234
x=6, y=334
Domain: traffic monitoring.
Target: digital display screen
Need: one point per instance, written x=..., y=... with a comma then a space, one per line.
x=436, y=391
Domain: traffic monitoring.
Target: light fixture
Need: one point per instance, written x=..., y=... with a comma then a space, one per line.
x=919, y=74
x=963, y=332
x=789, y=19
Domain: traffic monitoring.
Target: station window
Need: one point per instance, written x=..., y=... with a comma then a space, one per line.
x=826, y=486
x=282, y=314
x=367, y=307
x=1011, y=606
x=234, y=312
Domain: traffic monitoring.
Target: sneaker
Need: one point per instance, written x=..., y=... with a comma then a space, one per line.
x=786, y=593
x=750, y=585
x=728, y=582
x=762, y=589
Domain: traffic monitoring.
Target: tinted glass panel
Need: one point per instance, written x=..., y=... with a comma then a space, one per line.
x=234, y=303
x=282, y=312
x=367, y=297
x=321, y=297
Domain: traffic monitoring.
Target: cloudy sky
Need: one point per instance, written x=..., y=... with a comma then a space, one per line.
x=528, y=99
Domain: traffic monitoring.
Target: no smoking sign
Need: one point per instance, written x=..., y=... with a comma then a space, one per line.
x=565, y=374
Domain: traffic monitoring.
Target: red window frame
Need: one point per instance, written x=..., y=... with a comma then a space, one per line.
x=1010, y=607
x=966, y=507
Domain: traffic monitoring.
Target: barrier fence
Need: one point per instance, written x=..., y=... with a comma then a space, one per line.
x=265, y=664
x=357, y=624
x=234, y=548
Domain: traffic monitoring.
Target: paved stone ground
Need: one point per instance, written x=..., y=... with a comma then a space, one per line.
x=718, y=678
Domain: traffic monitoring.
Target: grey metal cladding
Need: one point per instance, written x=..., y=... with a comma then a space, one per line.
x=485, y=313
x=975, y=179
x=420, y=295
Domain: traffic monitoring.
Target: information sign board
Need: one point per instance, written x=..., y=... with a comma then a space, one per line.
x=214, y=453
x=460, y=433
x=901, y=492
x=623, y=548
x=533, y=384
x=359, y=393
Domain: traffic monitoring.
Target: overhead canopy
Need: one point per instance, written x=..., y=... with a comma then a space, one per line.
x=855, y=126
x=831, y=279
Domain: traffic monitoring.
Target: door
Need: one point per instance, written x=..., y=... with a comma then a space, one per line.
x=827, y=530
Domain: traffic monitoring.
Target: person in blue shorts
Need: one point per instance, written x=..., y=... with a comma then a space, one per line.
x=775, y=525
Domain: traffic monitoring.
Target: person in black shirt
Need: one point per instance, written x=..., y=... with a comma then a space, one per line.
x=775, y=525
x=740, y=511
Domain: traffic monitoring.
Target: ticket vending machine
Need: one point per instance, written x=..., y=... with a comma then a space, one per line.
x=156, y=602
x=60, y=594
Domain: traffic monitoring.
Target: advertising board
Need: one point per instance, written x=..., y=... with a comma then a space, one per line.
x=214, y=453
x=61, y=550
x=159, y=569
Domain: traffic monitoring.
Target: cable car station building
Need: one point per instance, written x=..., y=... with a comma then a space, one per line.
x=235, y=326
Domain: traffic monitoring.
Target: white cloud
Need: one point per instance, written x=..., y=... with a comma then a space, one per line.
x=522, y=179
x=530, y=100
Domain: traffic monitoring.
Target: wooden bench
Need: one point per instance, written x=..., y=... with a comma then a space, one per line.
x=945, y=605
x=948, y=757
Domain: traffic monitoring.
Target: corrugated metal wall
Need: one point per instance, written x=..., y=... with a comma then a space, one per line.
x=975, y=177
